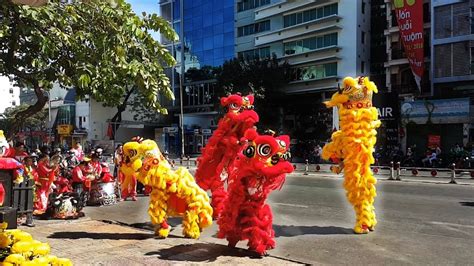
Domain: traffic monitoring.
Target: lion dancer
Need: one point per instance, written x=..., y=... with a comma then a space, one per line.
x=43, y=185
x=260, y=168
x=220, y=151
x=352, y=147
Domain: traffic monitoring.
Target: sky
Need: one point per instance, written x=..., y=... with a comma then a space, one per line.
x=149, y=6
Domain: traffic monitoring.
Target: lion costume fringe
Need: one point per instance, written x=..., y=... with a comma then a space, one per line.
x=352, y=146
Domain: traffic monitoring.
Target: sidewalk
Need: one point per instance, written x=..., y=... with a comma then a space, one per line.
x=91, y=242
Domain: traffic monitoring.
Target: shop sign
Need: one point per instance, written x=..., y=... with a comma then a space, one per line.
x=434, y=141
x=170, y=130
x=207, y=131
x=196, y=131
x=437, y=111
x=387, y=105
x=64, y=129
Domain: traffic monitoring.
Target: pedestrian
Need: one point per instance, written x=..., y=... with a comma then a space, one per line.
x=317, y=153
x=43, y=184
x=78, y=151
x=82, y=176
x=118, y=156
x=20, y=152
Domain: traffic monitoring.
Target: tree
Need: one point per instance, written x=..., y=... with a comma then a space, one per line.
x=31, y=123
x=265, y=78
x=101, y=48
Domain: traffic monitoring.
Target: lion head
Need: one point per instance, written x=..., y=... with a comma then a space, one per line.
x=354, y=93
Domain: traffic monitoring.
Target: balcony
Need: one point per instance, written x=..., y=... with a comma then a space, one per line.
x=398, y=53
x=323, y=25
x=411, y=88
x=282, y=7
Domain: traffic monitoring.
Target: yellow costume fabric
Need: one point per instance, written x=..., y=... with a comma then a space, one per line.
x=19, y=248
x=174, y=193
x=353, y=146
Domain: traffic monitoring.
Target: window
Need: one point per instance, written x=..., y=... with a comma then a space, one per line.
x=362, y=67
x=472, y=20
x=13, y=103
x=253, y=28
x=309, y=15
x=310, y=44
x=314, y=72
x=362, y=37
x=251, y=4
x=255, y=53
x=472, y=60
x=11, y=91
x=363, y=7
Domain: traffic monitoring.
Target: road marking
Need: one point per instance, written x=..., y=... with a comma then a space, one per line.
x=452, y=224
x=292, y=205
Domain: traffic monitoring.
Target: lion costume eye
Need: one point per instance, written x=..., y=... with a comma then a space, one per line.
x=264, y=150
x=249, y=151
x=282, y=143
x=233, y=106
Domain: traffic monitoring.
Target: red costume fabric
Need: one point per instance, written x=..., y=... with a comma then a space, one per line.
x=220, y=151
x=43, y=185
x=260, y=167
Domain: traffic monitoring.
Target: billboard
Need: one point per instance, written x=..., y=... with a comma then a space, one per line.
x=409, y=15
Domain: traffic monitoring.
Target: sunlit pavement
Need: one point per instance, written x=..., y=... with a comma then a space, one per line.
x=419, y=223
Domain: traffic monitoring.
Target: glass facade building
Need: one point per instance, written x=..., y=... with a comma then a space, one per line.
x=208, y=30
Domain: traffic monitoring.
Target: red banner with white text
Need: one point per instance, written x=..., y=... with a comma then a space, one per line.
x=410, y=22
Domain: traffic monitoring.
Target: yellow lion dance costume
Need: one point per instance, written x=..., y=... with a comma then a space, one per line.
x=353, y=145
x=174, y=193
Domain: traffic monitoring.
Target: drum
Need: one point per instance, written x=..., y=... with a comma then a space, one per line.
x=102, y=194
x=64, y=206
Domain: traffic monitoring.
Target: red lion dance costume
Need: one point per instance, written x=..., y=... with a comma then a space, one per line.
x=259, y=168
x=222, y=147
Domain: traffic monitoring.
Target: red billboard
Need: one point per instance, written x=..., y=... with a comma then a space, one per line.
x=409, y=15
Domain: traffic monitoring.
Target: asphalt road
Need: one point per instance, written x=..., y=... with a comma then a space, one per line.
x=419, y=223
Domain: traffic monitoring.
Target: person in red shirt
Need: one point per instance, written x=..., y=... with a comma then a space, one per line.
x=95, y=163
x=20, y=152
x=82, y=175
x=43, y=184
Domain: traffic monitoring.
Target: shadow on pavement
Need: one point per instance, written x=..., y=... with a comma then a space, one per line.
x=467, y=203
x=292, y=230
x=173, y=221
x=113, y=236
x=200, y=252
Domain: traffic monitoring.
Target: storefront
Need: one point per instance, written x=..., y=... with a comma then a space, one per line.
x=431, y=122
x=389, y=114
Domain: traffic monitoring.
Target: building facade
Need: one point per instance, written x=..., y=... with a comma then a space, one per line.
x=323, y=41
x=10, y=94
x=438, y=114
x=207, y=38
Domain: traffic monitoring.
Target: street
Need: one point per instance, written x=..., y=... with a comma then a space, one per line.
x=419, y=223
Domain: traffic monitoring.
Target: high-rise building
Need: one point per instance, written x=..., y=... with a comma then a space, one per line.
x=399, y=76
x=438, y=113
x=453, y=47
x=323, y=41
x=207, y=38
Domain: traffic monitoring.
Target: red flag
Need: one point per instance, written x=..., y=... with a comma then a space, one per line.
x=110, y=131
x=409, y=15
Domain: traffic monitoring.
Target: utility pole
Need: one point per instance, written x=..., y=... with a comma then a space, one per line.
x=181, y=77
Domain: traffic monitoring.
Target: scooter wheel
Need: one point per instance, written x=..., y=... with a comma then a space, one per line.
x=434, y=173
x=318, y=167
x=375, y=170
x=414, y=172
x=472, y=174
